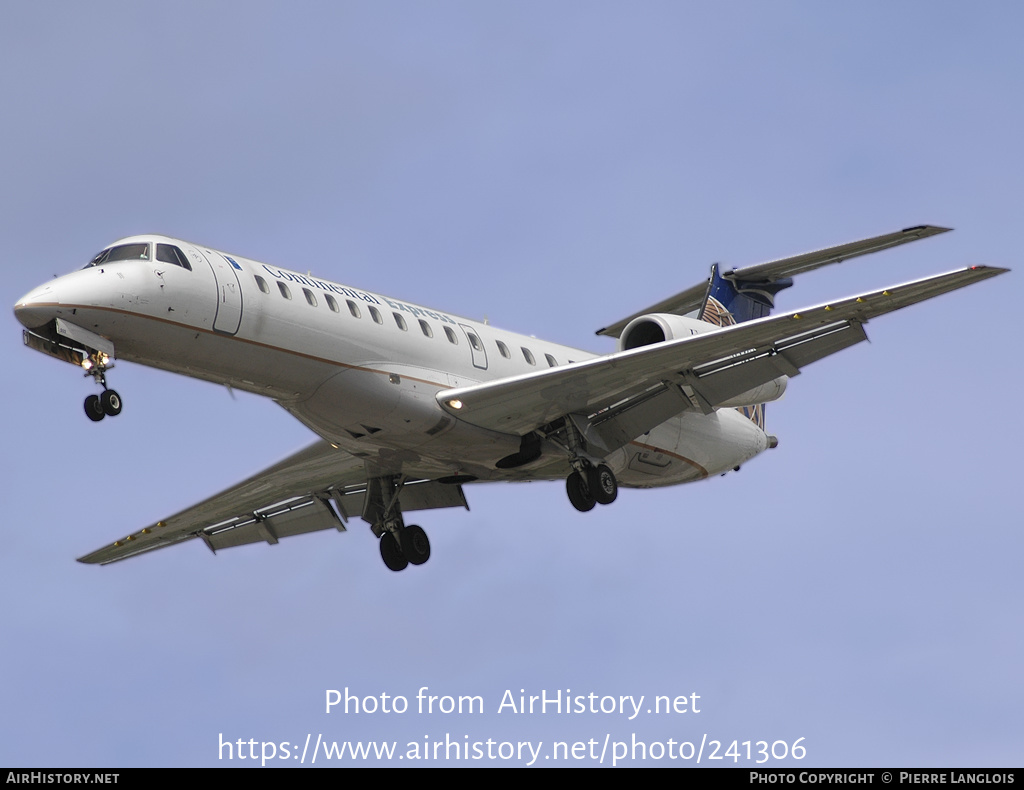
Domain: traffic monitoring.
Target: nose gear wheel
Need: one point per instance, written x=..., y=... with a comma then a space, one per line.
x=106, y=404
x=111, y=403
x=93, y=408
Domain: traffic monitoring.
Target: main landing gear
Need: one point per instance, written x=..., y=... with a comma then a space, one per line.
x=591, y=485
x=404, y=547
x=400, y=545
x=107, y=403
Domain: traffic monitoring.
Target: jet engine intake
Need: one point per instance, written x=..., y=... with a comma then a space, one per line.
x=734, y=386
x=652, y=328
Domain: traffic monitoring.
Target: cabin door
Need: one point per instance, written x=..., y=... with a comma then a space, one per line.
x=229, y=293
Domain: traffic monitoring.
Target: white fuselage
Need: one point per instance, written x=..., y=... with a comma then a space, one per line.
x=360, y=369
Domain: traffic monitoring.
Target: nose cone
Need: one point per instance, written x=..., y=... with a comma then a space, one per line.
x=38, y=306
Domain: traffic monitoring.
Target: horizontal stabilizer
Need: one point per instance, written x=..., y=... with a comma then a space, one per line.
x=798, y=264
x=691, y=299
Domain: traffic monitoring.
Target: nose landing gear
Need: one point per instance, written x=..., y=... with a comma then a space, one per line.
x=107, y=403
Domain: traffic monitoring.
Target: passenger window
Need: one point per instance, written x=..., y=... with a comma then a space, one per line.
x=503, y=349
x=284, y=290
x=309, y=297
x=332, y=303
x=171, y=254
x=528, y=356
x=353, y=308
x=400, y=321
x=262, y=284
x=427, y=331
x=375, y=313
x=474, y=341
x=551, y=361
x=451, y=336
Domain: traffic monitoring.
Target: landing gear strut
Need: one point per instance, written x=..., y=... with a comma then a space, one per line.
x=107, y=403
x=589, y=483
x=400, y=545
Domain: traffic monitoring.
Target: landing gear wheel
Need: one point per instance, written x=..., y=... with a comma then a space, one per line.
x=415, y=545
x=93, y=408
x=110, y=402
x=579, y=493
x=391, y=553
x=603, y=484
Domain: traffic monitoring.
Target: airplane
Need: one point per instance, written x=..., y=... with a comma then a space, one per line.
x=413, y=404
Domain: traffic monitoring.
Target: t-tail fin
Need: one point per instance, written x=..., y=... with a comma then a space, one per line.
x=730, y=300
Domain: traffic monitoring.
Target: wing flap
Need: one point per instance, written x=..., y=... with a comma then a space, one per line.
x=415, y=495
x=622, y=423
x=269, y=495
x=785, y=342
x=307, y=514
x=727, y=378
x=314, y=489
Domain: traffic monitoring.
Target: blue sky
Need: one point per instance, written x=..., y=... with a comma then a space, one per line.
x=553, y=167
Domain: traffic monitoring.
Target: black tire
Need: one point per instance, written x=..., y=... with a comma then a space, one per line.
x=415, y=545
x=603, y=484
x=391, y=553
x=579, y=493
x=110, y=402
x=93, y=408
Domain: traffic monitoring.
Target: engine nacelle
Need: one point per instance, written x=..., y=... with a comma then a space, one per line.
x=659, y=327
x=653, y=328
x=765, y=393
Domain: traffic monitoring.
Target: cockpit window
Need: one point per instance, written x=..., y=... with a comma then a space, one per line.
x=123, y=252
x=168, y=253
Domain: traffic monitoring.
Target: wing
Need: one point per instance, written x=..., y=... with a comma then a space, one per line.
x=691, y=299
x=316, y=488
x=623, y=395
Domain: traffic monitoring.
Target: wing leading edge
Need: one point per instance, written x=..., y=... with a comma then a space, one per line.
x=640, y=388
